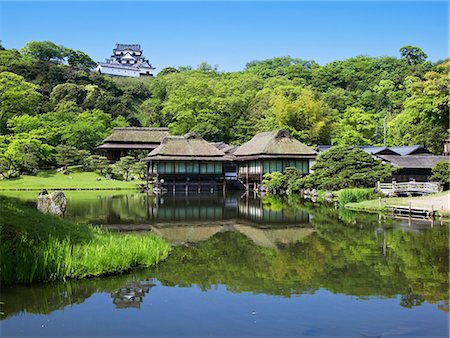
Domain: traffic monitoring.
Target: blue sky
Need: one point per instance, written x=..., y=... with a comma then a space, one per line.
x=233, y=33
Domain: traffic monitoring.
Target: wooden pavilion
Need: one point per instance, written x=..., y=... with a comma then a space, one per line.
x=187, y=163
x=269, y=152
x=123, y=141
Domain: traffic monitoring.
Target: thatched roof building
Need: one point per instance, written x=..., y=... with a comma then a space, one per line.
x=123, y=140
x=187, y=148
x=272, y=151
x=274, y=144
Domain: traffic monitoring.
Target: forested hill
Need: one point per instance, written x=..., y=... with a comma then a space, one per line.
x=50, y=98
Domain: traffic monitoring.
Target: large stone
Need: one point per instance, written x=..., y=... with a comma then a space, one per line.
x=328, y=196
x=54, y=204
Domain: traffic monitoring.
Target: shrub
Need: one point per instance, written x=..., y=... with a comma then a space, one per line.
x=441, y=172
x=355, y=195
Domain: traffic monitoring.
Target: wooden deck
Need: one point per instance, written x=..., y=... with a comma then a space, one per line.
x=413, y=212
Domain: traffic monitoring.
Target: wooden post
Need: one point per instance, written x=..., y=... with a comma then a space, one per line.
x=246, y=174
x=261, y=171
x=146, y=175
x=156, y=178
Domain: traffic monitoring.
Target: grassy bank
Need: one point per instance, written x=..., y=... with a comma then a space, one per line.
x=50, y=179
x=439, y=201
x=36, y=247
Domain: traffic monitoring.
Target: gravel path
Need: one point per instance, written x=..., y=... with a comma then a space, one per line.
x=441, y=202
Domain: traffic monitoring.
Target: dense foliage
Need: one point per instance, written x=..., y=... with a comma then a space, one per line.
x=345, y=167
x=441, y=172
x=50, y=97
x=339, y=167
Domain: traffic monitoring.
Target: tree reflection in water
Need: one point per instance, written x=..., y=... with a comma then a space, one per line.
x=282, y=248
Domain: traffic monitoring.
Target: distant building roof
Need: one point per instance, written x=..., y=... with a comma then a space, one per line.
x=410, y=150
x=187, y=147
x=276, y=143
x=414, y=161
x=381, y=150
x=134, y=47
x=128, y=146
x=137, y=135
x=226, y=148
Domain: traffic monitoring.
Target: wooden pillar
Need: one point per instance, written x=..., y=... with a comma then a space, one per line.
x=146, y=175
x=246, y=175
x=261, y=171
x=156, y=177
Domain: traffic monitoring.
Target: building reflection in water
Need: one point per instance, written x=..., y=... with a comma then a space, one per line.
x=184, y=220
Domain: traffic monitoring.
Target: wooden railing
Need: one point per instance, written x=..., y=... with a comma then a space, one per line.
x=409, y=187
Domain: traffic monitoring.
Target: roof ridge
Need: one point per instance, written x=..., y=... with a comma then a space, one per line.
x=143, y=128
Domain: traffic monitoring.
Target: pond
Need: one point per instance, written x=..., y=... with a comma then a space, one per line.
x=244, y=266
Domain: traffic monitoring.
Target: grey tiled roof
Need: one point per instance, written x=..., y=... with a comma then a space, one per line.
x=374, y=150
x=122, y=46
x=409, y=150
x=414, y=161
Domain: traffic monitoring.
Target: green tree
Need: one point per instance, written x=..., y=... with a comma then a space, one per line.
x=124, y=166
x=26, y=155
x=44, y=50
x=69, y=155
x=302, y=110
x=97, y=163
x=345, y=167
x=356, y=127
x=168, y=70
x=68, y=92
x=413, y=55
x=441, y=172
x=79, y=59
x=17, y=97
x=88, y=130
x=425, y=118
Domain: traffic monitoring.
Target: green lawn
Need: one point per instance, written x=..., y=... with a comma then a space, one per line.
x=383, y=204
x=37, y=248
x=52, y=180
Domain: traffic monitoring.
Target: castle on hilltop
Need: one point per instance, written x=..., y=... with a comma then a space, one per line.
x=126, y=60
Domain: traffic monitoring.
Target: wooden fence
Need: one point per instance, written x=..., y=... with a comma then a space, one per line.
x=396, y=188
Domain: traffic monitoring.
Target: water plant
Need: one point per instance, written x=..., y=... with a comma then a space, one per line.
x=39, y=248
x=355, y=195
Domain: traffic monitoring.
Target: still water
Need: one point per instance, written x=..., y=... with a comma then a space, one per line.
x=242, y=266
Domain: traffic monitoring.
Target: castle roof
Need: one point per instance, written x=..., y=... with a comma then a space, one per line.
x=133, y=47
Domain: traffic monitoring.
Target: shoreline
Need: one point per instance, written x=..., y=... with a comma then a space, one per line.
x=436, y=203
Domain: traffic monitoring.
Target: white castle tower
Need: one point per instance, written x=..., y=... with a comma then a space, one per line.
x=127, y=60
